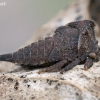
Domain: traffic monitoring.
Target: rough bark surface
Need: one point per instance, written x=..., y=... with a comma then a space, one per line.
x=76, y=84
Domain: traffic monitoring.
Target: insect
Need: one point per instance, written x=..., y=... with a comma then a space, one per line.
x=72, y=44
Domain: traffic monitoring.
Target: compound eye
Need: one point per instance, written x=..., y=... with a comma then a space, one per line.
x=85, y=32
x=92, y=55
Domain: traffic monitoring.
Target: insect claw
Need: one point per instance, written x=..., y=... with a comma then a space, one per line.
x=41, y=71
x=85, y=67
x=61, y=72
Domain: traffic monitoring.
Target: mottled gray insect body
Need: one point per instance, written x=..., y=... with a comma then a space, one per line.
x=71, y=45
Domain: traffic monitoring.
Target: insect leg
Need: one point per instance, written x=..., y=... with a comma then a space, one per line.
x=55, y=67
x=71, y=65
x=88, y=63
x=74, y=63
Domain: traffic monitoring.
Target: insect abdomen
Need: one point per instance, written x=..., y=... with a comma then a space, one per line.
x=6, y=57
x=35, y=54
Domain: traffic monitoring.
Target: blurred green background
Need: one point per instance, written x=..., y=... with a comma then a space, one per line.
x=20, y=18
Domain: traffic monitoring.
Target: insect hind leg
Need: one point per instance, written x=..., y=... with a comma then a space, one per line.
x=54, y=68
